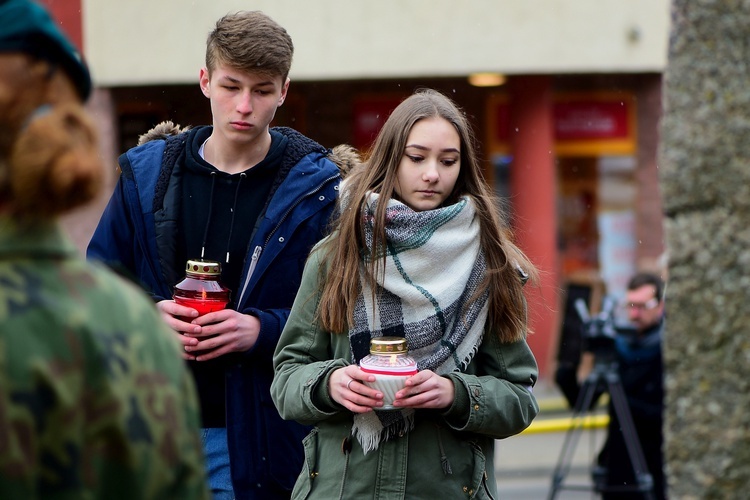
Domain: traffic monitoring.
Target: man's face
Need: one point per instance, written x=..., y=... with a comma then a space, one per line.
x=242, y=104
x=644, y=309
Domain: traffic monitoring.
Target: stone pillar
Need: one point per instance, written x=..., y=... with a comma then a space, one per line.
x=705, y=175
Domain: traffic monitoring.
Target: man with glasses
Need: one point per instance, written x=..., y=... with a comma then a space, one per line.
x=641, y=374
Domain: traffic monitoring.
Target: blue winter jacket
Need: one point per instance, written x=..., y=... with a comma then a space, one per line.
x=137, y=235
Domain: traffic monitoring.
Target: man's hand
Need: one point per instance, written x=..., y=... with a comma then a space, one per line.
x=179, y=318
x=211, y=335
x=220, y=333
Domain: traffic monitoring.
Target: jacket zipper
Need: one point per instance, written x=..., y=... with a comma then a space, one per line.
x=258, y=249
x=253, y=263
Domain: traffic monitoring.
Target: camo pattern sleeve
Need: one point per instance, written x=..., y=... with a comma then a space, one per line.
x=95, y=400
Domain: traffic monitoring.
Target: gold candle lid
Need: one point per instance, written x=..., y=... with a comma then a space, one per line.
x=386, y=346
x=203, y=267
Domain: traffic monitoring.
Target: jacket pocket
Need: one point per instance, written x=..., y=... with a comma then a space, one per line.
x=309, y=468
x=480, y=488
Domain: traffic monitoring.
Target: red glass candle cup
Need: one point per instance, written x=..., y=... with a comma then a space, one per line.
x=201, y=288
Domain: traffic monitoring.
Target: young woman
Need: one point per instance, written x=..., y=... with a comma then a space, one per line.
x=418, y=251
x=95, y=400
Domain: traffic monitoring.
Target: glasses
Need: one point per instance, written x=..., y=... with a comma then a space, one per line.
x=643, y=306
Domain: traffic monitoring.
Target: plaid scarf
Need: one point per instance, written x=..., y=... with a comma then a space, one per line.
x=433, y=266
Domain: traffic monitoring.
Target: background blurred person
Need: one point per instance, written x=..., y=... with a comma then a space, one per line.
x=640, y=366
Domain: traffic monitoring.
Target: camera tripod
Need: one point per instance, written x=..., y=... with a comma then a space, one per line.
x=604, y=375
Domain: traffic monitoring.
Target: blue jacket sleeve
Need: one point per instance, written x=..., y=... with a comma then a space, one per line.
x=114, y=235
x=272, y=322
x=118, y=240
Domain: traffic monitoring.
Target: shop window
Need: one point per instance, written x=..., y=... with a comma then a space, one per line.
x=596, y=217
x=578, y=206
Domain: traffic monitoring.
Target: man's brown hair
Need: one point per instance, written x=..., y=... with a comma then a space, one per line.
x=251, y=42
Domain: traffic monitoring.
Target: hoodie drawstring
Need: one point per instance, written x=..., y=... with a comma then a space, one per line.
x=210, y=209
x=234, y=209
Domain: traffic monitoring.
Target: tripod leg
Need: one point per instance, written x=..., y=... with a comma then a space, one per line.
x=645, y=482
x=585, y=398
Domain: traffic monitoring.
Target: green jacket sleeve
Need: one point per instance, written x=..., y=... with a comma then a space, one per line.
x=494, y=395
x=306, y=356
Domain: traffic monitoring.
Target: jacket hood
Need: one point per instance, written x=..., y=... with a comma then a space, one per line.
x=344, y=156
x=161, y=131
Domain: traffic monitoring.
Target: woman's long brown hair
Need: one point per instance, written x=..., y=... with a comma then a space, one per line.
x=341, y=281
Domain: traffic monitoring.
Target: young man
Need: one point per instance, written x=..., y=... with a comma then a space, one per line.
x=254, y=198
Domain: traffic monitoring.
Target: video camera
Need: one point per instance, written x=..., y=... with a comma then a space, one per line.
x=600, y=331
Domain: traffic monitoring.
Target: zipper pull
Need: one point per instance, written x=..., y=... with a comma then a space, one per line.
x=253, y=262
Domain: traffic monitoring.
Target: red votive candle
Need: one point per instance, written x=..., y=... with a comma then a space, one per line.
x=201, y=288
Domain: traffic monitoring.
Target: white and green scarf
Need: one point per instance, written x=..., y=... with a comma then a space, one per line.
x=433, y=267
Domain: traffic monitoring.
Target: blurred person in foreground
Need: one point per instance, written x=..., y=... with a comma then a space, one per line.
x=95, y=400
x=639, y=357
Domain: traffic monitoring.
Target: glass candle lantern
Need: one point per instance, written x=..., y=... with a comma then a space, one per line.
x=201, y=288
x=391, y=364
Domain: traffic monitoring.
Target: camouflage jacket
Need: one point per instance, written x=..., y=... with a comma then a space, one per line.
x=95, y=401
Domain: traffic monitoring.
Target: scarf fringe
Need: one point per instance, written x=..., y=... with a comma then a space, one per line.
x=369, y=437
x=474, y=350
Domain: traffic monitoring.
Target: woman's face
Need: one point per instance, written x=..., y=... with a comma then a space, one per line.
x=430, y=164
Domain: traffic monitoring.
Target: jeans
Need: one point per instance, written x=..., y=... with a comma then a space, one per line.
x=216, y=452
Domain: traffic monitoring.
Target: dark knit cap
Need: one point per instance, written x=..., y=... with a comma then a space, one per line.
x=27, y=27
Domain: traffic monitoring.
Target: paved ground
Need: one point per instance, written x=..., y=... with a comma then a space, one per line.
x=525, y=463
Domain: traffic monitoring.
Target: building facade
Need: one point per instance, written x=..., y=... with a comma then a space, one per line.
x=568, y=127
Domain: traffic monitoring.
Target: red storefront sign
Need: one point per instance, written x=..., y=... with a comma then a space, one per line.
x=584, y=124
x=590, y=119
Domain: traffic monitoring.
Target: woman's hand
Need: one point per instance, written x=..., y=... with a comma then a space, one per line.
x=346, y=387
x=426, y=389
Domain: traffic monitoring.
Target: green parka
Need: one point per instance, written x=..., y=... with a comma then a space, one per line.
x=95, y=400
x=448, y=454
